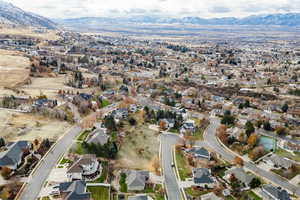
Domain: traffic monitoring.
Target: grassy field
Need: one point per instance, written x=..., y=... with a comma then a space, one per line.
x=182, y=165
x=139, y=148
x=284, y=153
x=196, y=193
x=83, y=136
x=24, y=126
x=99, y=192
x=253, y=196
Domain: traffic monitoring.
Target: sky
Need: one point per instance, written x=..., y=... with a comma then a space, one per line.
x=169, y=8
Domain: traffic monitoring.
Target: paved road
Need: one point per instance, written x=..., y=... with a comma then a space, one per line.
x=210, y=138
x=39, y=177
x=37, y=180
x=171, y=183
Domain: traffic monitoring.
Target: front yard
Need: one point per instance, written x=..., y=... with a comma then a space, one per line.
x=183, y=166
x=284, y=153
x=288, y=173
x=99, y=192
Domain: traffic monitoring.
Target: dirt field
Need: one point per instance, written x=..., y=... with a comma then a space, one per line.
x=49, y=35
x=14, y=69
x=23, y=126
x=140, y=148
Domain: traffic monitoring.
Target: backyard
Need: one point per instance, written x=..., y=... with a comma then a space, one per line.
x=183, y=166
x=99, y=192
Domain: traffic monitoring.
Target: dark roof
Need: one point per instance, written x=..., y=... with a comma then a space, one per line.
x=75, y=190
x=200, y=151
x=202, y=175
x=14, y=153
x=276, y=192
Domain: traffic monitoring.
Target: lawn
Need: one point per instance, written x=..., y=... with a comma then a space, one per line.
x=99, y=192
x=196, y=193
x=104, y=103
x=64, y=161
x=287, y=173
x=79, y=149
x=182, y=165
x=83, y=135
x=229, y=198
x=253, y=196
x=284, y=153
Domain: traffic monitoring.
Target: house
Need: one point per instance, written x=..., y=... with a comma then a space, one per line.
x=136, y=180
x=199, y=152
x=202, y=177
x=98, y=136
x=140, y=197
x=278, y=161
x=275, y=193
x=240, y=174
x=210, y=196
x=86, y=167
x=188, y=126
x=169, y=123
x=72, y=190
x=120, y=113
x=12, y=157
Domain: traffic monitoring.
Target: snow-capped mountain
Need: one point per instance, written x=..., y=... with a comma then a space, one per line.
x=10, y=14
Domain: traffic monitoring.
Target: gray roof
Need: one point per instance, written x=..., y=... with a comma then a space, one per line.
x=136, y=178
x=241, y=175
x=98, y=136
x=74, y=190
x=276, y=192
x=200, y=151
x=139, y=197
x=202, y=176
x=280, y=161
x=14, y=153
x=87, y=159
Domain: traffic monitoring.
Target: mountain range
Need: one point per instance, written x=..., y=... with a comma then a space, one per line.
x=12, y=15
x=290, y=19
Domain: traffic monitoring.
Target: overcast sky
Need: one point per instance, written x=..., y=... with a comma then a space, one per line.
x=174, y=8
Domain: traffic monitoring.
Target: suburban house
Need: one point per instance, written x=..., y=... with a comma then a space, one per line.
x=202, y=177
x=199, y=153
x=72, y=190
x=278, y=161
x=98, y=136
x=275, y=193
x=188, y=126
x=136, y=180
x=140, y=197
x=240, y=174
x=120, y=113
x=13, y=156
x=86, y=167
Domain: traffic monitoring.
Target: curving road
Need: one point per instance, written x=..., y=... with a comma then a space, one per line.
x=171, y=183
x=211, y=138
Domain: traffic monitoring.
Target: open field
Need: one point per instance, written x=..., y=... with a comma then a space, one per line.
x=20, y=126
x=14, y=69
x=139, y=149
x=49, y=35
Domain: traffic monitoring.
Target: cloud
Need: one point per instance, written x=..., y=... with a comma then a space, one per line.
x=174, y=8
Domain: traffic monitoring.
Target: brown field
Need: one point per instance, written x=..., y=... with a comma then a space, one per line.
x=23, y=126
x=49, y=35
x=14, y=69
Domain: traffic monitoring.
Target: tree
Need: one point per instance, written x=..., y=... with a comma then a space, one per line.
x=267, y=126
x=227, y=118
x=222, y=134
x=257, y=152
x=249, y=128
x=2, y=142
x=285, y=107
x=252, y=140
x=163, y=125
x=255, y=183
x=238, y=161
x=247, y=104
x=281, y=131
x=132, y=121
x=109, y=123
x=5, y=172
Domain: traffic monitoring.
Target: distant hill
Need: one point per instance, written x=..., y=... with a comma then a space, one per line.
x=12, y=15
x=290, y=19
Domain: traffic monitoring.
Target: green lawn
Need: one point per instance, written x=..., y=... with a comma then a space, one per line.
x=79, y=149
x=104, y=103
x=182, y=165
x=284, y=153
x=283, y=173
x=83, y=135
x=65, y=161
x=229, y=198
x=253, y=196
x=99, y=192
x=196, y=193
